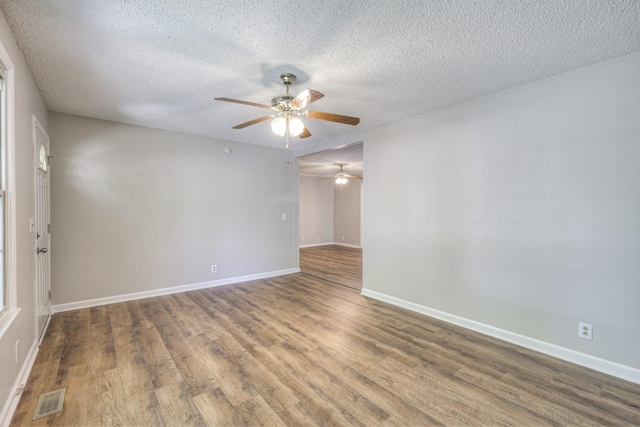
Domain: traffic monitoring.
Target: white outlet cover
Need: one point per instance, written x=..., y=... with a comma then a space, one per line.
x=585, y=331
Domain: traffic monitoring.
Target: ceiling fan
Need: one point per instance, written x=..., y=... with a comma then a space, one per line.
x=342, y=174
x=287, y=109
x=341, y=177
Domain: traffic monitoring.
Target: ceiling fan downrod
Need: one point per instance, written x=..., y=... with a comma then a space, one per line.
x=287, y=79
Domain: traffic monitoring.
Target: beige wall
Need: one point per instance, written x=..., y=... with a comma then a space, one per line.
x=523, y=211
x=137, y=209
x=28, y=102
x=329, y=214
x=316, y=210
x=346, y=213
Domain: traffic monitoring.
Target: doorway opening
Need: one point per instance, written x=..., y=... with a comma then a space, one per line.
x=330, y=212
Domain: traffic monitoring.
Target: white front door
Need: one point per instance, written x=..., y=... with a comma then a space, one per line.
x=42, y=227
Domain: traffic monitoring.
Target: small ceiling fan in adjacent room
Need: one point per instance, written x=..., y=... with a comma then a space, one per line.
x=342, y=177
x=288, y=109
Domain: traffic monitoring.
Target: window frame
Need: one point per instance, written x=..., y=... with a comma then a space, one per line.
x=7, y=135
x=3, y=280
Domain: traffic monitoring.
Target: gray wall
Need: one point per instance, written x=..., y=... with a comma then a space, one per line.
x=327, y=213
x=137, y=209
x=346, y=213
x=28, y=101
x=316, y=210
x=524, y=209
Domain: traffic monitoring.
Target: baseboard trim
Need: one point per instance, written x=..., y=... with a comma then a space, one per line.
x=347, y=245
x=44, y=330
x=58, y=308
x=602, y=365
x=313, y=245
x=329, y=244
x=12, y=402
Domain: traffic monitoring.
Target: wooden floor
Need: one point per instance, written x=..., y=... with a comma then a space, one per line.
x=295, y=350
x=338, y=264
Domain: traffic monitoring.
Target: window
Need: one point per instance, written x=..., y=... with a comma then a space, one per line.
x=42, y=159
x=8, y=301
x=9, y=309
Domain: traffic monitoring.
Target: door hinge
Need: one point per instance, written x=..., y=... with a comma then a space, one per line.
x=49, y=295
x=49, y=228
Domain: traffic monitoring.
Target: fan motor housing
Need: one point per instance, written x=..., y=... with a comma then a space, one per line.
x=282, y=103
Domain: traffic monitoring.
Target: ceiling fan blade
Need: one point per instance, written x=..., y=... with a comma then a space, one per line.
x=237, y=101
x=333, y=117
x=305, y=98
x=252, y=122
x=305, y=133
x=353, y=176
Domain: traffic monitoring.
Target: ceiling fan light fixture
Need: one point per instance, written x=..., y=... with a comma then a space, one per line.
x=341, y=179
x=295, y=126
x=279, y=126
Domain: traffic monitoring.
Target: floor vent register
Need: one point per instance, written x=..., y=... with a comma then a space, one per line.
x=49, y=403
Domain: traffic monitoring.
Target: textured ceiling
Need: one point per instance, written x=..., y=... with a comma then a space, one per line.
x=160, y=63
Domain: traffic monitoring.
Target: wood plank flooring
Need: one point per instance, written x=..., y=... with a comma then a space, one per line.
x=338, y=264
x=299, y=351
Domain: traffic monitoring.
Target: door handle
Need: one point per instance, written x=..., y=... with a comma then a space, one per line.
x=42, y=251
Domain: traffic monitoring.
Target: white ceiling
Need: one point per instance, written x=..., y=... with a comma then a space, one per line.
x=160, y=63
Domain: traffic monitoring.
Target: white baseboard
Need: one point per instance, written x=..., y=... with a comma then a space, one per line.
x=166, y=291
x=347, y=245
x=12, y=402
x=313, y=245
x=608, y=367
x=44, y=330
x=329, y=244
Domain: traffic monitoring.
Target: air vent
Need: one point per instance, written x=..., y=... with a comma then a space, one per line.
x=49, y=403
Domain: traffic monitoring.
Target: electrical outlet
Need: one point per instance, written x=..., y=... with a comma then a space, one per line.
x=318, y=240
x=284, y=217
x=214, y=268
x=343, y=237
x=585, y=330
x=303, y=238
x=17, y=350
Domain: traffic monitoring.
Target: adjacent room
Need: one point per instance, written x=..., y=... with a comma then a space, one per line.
x=330, y=213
